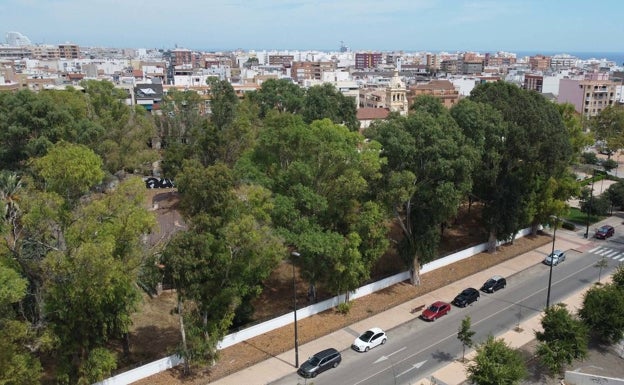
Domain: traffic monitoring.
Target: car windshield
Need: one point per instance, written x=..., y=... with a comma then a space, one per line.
x=314, y=360
x=466, y=292
x=366, y=336
x=490, y=282
x=433, y=308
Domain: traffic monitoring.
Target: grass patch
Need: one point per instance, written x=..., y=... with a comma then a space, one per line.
x=577, y=216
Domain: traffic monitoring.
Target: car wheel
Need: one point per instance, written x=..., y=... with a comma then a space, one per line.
x=313, y=374
x=366, y=349
x=335, y=365
x=383, y=341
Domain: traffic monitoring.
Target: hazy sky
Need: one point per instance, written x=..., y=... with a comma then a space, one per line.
x=410, y=25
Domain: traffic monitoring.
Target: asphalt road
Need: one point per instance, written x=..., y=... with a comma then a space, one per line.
x=417, y=348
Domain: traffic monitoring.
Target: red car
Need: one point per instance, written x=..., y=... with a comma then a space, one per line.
x=435, y=310
x=605, y=232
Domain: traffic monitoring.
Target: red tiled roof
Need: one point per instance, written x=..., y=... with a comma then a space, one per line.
x=370, y=113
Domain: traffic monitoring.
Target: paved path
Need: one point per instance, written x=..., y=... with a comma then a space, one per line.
x=452, y=374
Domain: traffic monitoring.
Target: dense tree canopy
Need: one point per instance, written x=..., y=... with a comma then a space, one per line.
x=321, y=175
x=532, y=159
x=428, y=173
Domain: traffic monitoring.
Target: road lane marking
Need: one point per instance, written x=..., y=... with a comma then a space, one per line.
x=454, y=335
x=415, y=366
x=383, y=358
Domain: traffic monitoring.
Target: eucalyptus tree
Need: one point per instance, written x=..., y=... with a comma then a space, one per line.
x=321, y=175
x=326, y=102
x=278, y=94
x=218, y=265
x=426, y=177
x=90, y=288
x=532, y=178
x=30, y=123
x=127, y=132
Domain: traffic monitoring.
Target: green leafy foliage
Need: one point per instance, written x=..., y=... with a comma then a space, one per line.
x=531, y=157
x=429, y=166
x=326, y=102
x=69, y=170
x=465, y=334
x=563, y=339
x=603, y=312
x=496, y=364
x=608, y=128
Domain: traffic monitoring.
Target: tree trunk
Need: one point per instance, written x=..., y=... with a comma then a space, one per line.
x=491, y=247
x=534, y=228
x=126, y=344
x=183, y=335
x=415, y=273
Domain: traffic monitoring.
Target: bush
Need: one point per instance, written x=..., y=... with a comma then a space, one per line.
x=568, y=226
x=589, y=158
x=344, y=308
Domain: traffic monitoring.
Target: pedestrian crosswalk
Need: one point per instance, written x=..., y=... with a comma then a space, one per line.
x=617, y=255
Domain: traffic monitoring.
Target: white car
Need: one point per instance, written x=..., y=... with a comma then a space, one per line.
x=369, y=339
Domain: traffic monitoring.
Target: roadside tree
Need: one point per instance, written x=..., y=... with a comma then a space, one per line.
x=563, y=339
x=465, y=334
x=603, y=312
x=496, y=364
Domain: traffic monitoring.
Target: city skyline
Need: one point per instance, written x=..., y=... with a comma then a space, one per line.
x=408, y=25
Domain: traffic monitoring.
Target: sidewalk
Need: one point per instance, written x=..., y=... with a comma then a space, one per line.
x=452, y=374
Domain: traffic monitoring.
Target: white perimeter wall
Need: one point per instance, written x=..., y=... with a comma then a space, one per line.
x=163, y=364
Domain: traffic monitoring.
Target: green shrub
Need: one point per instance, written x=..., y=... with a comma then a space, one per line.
x=344, y=308
x=568, y=226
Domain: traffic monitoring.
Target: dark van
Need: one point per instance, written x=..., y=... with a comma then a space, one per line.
x=320, y=362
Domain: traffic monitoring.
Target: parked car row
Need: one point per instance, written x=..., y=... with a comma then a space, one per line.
x=331, y=358
x=463, y=299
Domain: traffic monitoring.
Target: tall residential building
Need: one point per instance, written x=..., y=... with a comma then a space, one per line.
x=45, y=52
x=69, y=51
x=533, y=82
x=364, y=60
x=590, y=95
x=282, y=60
x=310, y=70
x=539, y=62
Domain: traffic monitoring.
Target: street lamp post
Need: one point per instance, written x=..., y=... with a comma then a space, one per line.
x=552, y=260
x=591, y=197
x=295, y=254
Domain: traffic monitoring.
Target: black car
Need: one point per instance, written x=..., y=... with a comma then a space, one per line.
x=605, y=232
x=493, y=284
x=320, y=362
x=466, y=297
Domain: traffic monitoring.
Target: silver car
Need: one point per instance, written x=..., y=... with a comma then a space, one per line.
x=555, y=258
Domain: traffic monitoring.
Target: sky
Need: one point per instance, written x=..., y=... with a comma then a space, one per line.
x=375, y=25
